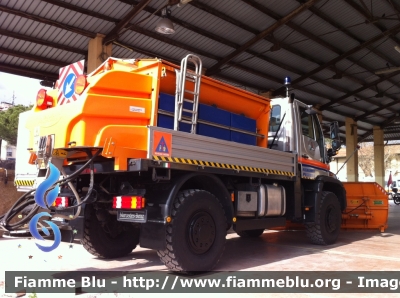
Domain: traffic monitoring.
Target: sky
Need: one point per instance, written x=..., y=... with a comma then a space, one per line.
x=25, y=89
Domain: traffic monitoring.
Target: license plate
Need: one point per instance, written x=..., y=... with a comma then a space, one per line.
x=132, y=216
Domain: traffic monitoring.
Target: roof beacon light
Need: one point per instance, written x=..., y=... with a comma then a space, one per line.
x=80, y=84
x=288, y=82
x=43, y=101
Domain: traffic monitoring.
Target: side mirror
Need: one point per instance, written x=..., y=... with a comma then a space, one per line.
x=334, y=134
x=336, y=145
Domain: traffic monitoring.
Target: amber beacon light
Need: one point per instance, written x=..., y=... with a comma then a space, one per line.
x=80, y=84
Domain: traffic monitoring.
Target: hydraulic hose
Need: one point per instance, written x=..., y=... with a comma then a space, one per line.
x=21, y=204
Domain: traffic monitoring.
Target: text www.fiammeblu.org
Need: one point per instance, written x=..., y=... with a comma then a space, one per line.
x=233, y=282
x=169, y=283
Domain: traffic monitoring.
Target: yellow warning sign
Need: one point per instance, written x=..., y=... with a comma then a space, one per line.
x=59, y=153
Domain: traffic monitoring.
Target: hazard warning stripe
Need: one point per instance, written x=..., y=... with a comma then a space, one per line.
x=221, y=165
x=24, y=182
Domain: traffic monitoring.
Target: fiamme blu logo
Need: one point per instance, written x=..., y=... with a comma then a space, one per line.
x=46, y=193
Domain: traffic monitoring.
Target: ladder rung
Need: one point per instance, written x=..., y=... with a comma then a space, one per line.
x=192, y=74
x=192, y=92
x=188, y=100
x=186, y=121
x=187, y=111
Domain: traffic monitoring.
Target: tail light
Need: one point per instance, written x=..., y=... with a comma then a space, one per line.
x=80, y=84
x=129, y=202
x=61, y=202
x=44, y=101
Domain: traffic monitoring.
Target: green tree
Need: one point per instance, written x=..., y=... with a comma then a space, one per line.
x=9, y=123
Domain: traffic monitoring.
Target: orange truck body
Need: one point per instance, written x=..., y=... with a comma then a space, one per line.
x=121, y=101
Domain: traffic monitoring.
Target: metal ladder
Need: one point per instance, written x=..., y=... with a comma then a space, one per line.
x=182, y=76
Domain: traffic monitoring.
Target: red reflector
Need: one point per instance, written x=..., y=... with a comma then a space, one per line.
x=61, y=202
x=129, y=202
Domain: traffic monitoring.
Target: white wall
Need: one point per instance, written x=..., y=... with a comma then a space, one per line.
x=7, y=151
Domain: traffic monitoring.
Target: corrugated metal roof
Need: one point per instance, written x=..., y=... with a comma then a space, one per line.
x=218, y=28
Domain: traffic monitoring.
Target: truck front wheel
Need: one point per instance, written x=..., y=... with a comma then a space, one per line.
x=108, y=238
x=328, y=219
x=196, y=235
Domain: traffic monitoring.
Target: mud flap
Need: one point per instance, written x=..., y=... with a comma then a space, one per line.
x=74, y=231
x=152, y=235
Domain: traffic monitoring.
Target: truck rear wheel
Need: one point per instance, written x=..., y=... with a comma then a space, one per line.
x=196, y=235
x=250, y=233
x=110, y=238
x=328, y=219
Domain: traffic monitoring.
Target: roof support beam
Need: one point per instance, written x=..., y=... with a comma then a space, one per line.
x=262, y=57
x=395, y=6
x=392, y=30
x=234, y=45
x=241, y=67
x=318, y=40
x=369, y=17
x=288, y=48
x=209, y=35
x=81, y=10
x=307, y=33
x=39, y=59
x=214, y=69
x=325, y=106
x=27, y=72
x=47, y=21
x=331, y=21
x=114, y=33
x=192, y=49
x=43, y=42
x=365, y=115
x=383, y=125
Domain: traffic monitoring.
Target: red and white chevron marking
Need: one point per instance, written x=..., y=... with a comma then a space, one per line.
x=77, y=69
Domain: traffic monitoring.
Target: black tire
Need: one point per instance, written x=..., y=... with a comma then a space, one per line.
x=99, y=241
x=196, y=235
x=396, y=199
x=250, y=233
x=328, y=219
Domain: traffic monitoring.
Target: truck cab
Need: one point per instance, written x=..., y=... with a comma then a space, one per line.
x=295, y=127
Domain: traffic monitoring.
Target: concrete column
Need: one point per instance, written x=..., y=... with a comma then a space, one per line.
x=379, y=154
x=97, y=52
x=351, y=146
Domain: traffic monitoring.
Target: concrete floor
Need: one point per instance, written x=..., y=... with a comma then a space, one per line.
x=355, y=250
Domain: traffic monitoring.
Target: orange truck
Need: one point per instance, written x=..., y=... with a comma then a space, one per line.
x=158, y=155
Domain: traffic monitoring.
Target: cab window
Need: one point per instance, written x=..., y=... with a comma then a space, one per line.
x=275, y=118
x=307, y=126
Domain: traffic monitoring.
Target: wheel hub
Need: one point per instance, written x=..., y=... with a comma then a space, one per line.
x=331, y=222
x=201, y=232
